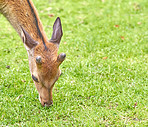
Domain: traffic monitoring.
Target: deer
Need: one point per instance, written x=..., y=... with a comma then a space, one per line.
x=43, y=57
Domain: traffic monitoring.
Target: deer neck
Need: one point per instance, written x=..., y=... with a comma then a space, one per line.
x=22, y=13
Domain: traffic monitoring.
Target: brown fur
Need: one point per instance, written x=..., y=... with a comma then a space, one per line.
x=24, y=18
x=19, y=14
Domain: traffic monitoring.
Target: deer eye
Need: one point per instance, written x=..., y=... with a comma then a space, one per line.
x=34, y=78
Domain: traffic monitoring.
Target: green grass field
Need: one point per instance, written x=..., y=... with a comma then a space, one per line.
x=105, y=74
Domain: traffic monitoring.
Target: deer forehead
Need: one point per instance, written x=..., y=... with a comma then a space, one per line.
x=48, y=76
x=51, y=50
x=49, y=65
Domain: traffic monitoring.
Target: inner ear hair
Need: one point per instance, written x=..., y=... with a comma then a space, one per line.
x=27, y=39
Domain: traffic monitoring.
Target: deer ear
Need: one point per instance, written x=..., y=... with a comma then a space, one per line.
x=27, y=39
x=57, y=32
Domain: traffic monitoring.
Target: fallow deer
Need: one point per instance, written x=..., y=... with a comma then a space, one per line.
x=43, y=55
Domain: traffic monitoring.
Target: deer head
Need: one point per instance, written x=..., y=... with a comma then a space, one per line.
x=44, y=61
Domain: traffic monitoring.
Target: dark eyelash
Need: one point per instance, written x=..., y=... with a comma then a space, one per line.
x=34, y=78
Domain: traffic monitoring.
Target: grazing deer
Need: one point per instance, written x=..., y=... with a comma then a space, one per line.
x=42, y=54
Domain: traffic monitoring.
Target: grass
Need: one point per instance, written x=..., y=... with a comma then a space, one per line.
x=105, y=75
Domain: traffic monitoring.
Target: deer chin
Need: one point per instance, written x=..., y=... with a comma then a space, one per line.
x=39, y=98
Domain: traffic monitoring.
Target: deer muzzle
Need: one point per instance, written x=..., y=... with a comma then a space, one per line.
x=45, y=103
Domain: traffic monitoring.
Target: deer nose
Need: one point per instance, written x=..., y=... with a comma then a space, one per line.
x=47, y=104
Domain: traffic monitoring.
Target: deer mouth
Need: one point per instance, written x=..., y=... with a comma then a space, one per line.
x=48, y=104
x=45, y=103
